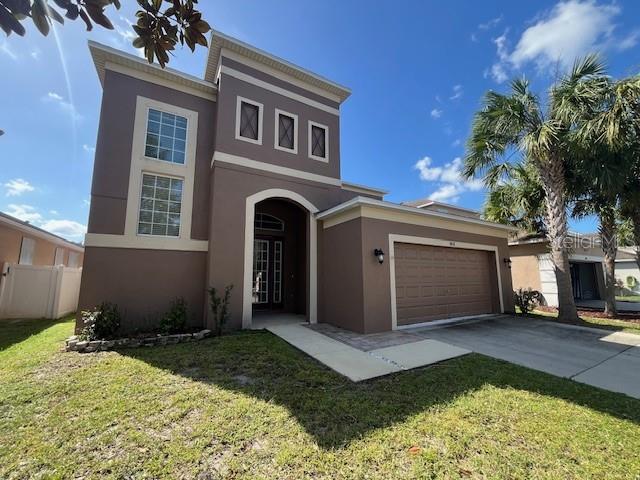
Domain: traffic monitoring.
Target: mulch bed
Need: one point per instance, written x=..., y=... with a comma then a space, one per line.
x=632, y=317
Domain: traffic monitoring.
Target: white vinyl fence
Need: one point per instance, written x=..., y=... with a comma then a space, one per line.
x=30, y=291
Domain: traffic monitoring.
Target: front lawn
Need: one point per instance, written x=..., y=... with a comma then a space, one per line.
x=250, y=406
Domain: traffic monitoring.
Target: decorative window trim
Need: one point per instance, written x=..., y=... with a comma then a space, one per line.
x=186, y=148
x=260, y=106
x=174, y=177
x=312, y=124
x=276, y=135
x=140, y=164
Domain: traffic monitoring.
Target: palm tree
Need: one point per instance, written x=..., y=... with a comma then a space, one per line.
x=518, y=200
x=514, y=127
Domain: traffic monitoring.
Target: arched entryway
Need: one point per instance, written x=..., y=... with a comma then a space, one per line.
x=280, y=261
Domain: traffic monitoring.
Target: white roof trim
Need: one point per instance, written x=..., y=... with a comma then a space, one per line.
x=356, y=187
x=361, y=201
x=219, y=41
x=104, y=55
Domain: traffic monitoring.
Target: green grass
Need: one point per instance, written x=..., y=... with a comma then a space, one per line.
x=250, y=406
x=628, y=298
x=605, y=323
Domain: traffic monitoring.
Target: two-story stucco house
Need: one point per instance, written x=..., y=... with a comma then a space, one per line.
x=234, y=178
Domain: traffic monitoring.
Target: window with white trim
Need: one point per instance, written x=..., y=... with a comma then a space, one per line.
x=74, y=259
x=286, y=131
x=249, y=120
x=26, y=251
x=264, y=221
x=160, y=206
x=166, y=138
x=59, y=258
x=318, y=141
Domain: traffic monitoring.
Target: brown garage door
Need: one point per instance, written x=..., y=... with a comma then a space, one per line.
x=434, y=283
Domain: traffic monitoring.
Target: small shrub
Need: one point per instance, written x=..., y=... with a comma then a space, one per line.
x=175, y=320
x=219, y=308
x=527, y=299
x=632, y=282
x=100, y=323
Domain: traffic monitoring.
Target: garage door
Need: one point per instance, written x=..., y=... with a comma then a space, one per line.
x=435, y=283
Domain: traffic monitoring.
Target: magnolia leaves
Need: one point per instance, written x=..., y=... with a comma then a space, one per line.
x=13, y=12
x=159, y=29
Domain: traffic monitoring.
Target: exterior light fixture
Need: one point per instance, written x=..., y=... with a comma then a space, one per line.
x=507, y=261
x=380, y=254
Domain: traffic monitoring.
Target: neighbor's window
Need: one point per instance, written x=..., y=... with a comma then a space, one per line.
x=26, y=251
x=249, y=121
x=317, y=141
x=74, y=259
x=160, y=206
x=59, y=258
x=166, y=136
x=286, y=131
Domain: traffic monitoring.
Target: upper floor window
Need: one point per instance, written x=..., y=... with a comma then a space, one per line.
x=249, y=120
x=74, y=259
x=160, y=206
x=318, y=142
x=166, y=136
x=286, y=131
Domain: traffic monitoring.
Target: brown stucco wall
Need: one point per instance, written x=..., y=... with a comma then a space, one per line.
x=143, y=283
x=340, y=276
x=376, y=278
x=231, y=185
x=10, y=241
x=231, y=88
x=113, y=152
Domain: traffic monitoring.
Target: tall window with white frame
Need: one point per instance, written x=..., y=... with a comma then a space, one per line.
x=166, y=137
x=160, y=206
x=318, y=142
x=249, y=121
x=286, y=131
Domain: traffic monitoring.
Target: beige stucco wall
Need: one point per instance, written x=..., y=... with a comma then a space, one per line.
x=525, y=272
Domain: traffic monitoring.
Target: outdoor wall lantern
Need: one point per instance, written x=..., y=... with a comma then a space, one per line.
x=507, y=261
x=380, y=254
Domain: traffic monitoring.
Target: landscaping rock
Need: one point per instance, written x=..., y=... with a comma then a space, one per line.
x=149, y=341
x=172, y=339
x=206, y=333
x=199, y=335
x=134, y=342
x=186, y=337
x=81, y=345
x=162, y=340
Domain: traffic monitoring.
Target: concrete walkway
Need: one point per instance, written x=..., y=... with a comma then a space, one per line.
x=358, y=365
x=605, y=359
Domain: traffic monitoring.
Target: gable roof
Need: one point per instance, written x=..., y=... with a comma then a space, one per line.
x=221, y=41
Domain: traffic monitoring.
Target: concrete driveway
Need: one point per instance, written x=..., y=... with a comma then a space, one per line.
x=602, y=358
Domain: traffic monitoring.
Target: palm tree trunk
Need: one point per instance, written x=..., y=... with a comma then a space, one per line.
x=608, y=232
x=636, y=235
x=552, y=179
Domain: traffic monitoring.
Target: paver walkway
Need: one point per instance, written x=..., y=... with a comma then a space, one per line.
x=358, y=365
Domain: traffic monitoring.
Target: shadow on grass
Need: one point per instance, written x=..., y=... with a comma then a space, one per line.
x=625, y=324
x=336, y=411
x=13, y=332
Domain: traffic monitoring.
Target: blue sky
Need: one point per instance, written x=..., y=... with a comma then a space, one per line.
x=417, y=71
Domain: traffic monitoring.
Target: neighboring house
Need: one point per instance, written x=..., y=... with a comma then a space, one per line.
x=531, y=266
x=39, y=272
x=25, y=244
x=627, y=272
x=234, y=179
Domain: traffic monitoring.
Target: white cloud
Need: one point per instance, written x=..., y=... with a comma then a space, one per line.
x=26, y=213
x=6, y=50
x=17, y=187
x=456, y=143
x=571, y=29
x=65, y=228
x=448, y=177
x=35, y=53
x=86, y=202
x=435, y=113
x=88, y=148
x=65, y=106
x=491, y=23
x=68, y=229
x=457, y=92
x=125, y=36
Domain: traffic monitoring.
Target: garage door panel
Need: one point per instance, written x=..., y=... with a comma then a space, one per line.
x=434, y=283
